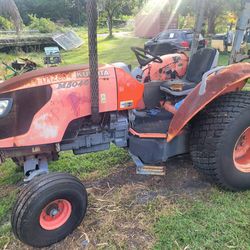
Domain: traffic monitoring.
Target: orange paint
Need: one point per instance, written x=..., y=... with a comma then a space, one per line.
x=55, y=214
x=70, y=100
x=169, y=107
x=158, y=71
x=148, y=135
x=130, y=91
x=241, y=154
x=232, y=78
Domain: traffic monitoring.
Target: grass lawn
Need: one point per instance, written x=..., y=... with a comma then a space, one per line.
x=110, y=50
x=220, y=222
x=130, y=212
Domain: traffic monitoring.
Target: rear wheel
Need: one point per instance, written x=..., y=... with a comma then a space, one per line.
x=48, y=209
x=220, y=141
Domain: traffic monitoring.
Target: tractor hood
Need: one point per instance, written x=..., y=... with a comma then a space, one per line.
x=41, y=77
x=38, y=107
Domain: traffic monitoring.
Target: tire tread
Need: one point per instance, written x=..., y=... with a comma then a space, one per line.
x=29, y=191
x=208, y=129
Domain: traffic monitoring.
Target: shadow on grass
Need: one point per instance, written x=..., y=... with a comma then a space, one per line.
x=108, y=38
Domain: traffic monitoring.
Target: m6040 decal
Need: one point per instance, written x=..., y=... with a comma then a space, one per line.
x=72, y=84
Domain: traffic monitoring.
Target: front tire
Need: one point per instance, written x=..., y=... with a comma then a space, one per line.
x=48, y=209
x=216, y=140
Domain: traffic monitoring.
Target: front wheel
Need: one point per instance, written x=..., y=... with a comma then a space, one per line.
x=48, y=209
x=220, y=141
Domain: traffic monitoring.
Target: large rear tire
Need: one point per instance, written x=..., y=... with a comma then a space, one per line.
x=220, y=141
x=48, y=209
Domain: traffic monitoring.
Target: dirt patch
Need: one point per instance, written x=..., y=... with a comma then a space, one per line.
x=5, y=190
x=124, y=207
x=180, y=177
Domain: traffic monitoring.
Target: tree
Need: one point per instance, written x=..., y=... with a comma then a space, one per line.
x=70, y=11
x=216, y=8
x=9, y=8
x=110, y=9
x=51, y=9
x=78, y=12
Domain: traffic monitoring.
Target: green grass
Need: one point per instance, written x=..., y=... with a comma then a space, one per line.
x=110, y=51
x=219, y=222
x=10, y=175
x=90, y=165
x=85, y=167
x=5, y=227
x=223, y=60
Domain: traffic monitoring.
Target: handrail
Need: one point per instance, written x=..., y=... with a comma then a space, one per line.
x=205, y=76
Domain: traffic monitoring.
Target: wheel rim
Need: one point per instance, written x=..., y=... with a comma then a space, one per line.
x=242, y=152
x=55, y=214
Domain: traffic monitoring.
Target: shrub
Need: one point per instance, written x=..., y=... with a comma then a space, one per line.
x=5, y=24
x=43, y=25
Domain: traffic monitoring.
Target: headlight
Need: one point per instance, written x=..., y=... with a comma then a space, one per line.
x=5, y=106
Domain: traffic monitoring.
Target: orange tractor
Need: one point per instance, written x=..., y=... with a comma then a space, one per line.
x=164, y=108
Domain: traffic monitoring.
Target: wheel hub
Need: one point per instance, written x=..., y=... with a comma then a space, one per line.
x=55, y=214
x=52, y=210
x=241, y=155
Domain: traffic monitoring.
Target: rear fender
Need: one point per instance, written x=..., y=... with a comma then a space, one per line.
x=232, y=78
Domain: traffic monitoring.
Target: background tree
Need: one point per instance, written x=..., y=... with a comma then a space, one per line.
x=9, y=9
x=110, y=9
x=73, y=12
x=214, y=10
x=217, y=8
x=78, y=11
x=70, y=11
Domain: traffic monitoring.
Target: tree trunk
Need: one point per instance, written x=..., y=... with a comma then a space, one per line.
x=211, y=24
x=8, y=8
x=110, y=25
x=79, y=9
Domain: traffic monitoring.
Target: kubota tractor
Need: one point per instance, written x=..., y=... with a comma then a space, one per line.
x=175, y=109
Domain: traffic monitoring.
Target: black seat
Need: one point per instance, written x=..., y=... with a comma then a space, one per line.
x=202, y=61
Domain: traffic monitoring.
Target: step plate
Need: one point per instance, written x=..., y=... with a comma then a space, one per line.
x=146, y=169
x=151, y=170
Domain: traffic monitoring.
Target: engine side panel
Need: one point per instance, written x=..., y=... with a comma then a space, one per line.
x=96, y=138
x=130, y=91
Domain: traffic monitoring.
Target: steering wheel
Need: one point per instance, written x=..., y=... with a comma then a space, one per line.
x=145, y=57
